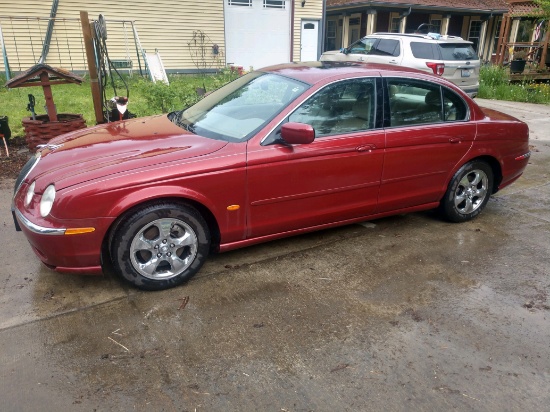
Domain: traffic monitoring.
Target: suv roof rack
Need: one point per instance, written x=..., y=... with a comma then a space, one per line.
x=418, y=35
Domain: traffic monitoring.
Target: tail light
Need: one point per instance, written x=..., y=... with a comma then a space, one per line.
x=437, y=68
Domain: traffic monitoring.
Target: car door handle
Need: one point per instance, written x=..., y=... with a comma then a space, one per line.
x=455, y=139
x=365, y=148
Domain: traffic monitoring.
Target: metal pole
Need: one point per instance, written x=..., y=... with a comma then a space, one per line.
x=49, y=31
x=4, y=54
x=136, y=40
x=90, y=56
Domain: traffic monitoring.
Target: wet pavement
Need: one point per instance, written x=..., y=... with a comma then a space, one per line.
x=403, y=313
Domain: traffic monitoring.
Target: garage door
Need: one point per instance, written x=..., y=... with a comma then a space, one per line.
x=257, y=32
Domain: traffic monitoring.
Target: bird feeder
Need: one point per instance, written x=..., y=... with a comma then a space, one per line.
x=42, y=128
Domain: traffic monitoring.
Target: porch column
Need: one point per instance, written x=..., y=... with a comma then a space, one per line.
x=445, y=24
x=402, y=24
x=371, y=21
x=514, y=30
x=345, y=30
x=482, y=40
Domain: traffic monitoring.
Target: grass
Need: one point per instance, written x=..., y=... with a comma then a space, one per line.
x=146, y=98
x=494, y=84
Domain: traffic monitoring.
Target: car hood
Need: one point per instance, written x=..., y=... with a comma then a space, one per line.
x=331, y=53
x=117, y=147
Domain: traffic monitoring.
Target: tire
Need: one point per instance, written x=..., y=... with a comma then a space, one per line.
x=160, y=245
x=468, y=192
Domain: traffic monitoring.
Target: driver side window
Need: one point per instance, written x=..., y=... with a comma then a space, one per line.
x=344, y=107
x=363, y=46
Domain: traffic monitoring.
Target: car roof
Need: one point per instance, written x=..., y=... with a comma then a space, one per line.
x=434, y=37
x=314, y=72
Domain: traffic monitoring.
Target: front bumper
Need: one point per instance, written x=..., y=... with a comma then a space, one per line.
x=63, y=252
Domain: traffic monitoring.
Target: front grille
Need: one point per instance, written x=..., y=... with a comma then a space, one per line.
x=25, y=171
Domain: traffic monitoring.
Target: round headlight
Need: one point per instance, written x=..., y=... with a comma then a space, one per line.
x=29, y=195
x=46, y=202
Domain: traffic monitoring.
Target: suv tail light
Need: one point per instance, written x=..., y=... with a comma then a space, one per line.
x=437, y=68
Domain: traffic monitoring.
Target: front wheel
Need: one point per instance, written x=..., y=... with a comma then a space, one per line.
x=468, y=192
x=160, y=245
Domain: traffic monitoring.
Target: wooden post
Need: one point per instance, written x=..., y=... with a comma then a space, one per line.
x=50, y=106
x=90, y=56
x=542, y=63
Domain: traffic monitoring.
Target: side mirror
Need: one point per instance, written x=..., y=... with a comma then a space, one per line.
x=344, y=50
x=297, y=133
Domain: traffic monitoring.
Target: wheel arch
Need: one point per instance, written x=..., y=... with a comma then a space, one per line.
x=206, y=213
x=495, y=167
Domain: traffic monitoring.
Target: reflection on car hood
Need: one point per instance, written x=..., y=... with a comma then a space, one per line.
x=117, y=147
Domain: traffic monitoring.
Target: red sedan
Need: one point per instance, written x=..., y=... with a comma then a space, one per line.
x=280, y=151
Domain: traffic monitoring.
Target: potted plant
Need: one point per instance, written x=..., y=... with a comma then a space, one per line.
x=517, y=65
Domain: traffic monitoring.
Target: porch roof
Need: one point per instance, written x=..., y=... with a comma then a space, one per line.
x=481, y=6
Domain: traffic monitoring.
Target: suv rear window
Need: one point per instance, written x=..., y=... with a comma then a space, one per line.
x=457, y=51
x=443, y=51
x=424, y=51
x=386, y=47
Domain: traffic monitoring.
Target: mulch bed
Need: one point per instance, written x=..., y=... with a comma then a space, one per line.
x=19, y=154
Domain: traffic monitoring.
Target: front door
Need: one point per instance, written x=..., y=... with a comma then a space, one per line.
x=309, y=50
x=335, y=178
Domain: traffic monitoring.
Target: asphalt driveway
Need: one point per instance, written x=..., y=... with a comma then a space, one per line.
x=403, y=313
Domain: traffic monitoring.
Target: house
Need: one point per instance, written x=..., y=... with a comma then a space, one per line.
x=189, y=35
x=475, y=20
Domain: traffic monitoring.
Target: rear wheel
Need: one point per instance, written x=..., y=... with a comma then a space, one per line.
x=468, y=192
x=160, y=246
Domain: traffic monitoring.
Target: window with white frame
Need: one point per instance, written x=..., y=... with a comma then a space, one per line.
x=497, y=34
x=331, y=35
x=246, y=3
x=474, y=33
x=436, y=25
x=274, y=4
x=395, y=24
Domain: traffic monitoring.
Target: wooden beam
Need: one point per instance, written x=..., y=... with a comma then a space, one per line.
x=92, y=68
x=50, y=106
x=542, y=63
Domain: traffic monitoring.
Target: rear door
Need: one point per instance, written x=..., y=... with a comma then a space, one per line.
x=386, y=51
x=428, y=133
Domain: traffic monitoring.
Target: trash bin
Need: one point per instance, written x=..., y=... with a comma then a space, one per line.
x=4, y=127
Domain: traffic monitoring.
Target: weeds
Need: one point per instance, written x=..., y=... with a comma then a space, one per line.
x=494, y=84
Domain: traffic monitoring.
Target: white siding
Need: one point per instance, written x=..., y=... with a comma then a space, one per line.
x=163, y=25
x=313, y=10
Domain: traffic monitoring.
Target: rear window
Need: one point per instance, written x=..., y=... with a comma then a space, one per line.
x=386, y=47
x=423, y=51
x=457, y=51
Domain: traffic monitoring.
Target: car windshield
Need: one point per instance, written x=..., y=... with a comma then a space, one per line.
x=238, y=110
x=457, y=51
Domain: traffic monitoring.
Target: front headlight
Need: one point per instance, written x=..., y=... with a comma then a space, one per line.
x=46, y=203
x=30, y=194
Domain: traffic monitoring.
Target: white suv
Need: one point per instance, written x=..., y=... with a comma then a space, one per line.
x=451, y=57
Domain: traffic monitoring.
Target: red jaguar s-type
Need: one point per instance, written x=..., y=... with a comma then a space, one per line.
x=277, y=152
